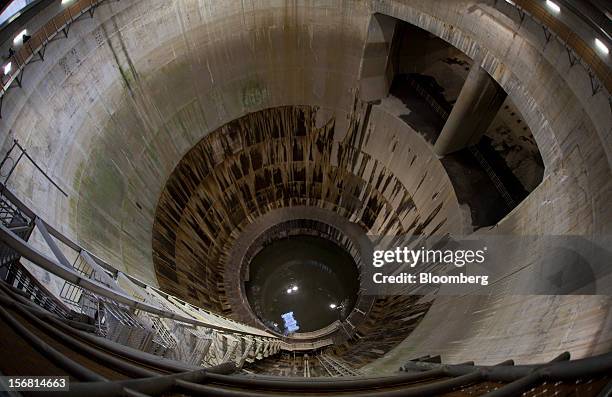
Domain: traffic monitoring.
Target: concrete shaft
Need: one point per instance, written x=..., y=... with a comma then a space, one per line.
x=117, y=104
x=479, y=101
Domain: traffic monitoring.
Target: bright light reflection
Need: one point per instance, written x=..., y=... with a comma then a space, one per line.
x=19, y=37
x=553, y=6
x=601, y=46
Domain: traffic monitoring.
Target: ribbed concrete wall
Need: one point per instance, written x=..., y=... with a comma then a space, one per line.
x=115, y=106
x=121, y=103
x=375, y=174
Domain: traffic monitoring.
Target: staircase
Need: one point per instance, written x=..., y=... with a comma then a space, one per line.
x=120, y=308
x=118, y=336
x=336, y=367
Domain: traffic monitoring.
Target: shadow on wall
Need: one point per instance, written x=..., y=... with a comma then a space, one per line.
x=500, y=164
x=269, y=159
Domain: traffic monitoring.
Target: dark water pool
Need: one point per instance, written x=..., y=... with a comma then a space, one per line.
x=310, y=276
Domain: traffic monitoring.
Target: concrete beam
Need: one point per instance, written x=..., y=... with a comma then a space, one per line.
x=376, y=74
x=478, y=103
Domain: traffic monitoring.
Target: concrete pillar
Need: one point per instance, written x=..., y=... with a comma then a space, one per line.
x=376, y=73
x=477, y=105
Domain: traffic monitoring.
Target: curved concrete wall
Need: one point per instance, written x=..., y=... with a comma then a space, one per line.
x=115, y=106
x=374, y=174
x=573, y=129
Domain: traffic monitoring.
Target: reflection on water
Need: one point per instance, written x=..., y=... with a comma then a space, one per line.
x=312, y=278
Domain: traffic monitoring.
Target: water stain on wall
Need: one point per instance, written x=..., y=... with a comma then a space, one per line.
x=270, y=159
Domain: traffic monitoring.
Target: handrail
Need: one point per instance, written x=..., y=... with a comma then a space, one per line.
x=61, y=21
x=50, y=265
x=571, y=39
x=434, y=379
x=112, y=270
x=42, y=37
x=560, y=368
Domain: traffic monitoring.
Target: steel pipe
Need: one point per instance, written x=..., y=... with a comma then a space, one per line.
x=72, y=367
x=413, y=391
x=85, y=349
x=152, y=385
x=50, y=265
x=115, y=348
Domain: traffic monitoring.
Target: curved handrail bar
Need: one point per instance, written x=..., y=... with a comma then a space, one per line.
x=571, y=39
x=58, y=23
x=52, y=266
x=42, y=37
x=106, y=266
x=557, y=370
x=440, y=378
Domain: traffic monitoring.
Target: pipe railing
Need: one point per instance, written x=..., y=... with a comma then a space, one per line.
x=571, y=39
x=68, y=274
x=37, y=43
x=427, y=379
x=39, y=40
x=184, y=313
x=51, y=265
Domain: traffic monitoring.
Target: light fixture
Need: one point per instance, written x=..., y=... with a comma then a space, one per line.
x=294, y=288
x=553, y=6
x=332, y=305
x=602, y=47
x=7, y=68
x=19, y=38
x=66, y=1
x=289, y=290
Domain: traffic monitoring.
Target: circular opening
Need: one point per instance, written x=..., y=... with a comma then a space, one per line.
x=301, y=284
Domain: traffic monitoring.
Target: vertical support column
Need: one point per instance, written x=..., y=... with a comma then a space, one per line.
x=477, y=105
x=376, y=72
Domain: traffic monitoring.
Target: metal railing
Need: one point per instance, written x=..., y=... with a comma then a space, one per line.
x=424, y=379
x=36, y=45
x=423, y=376
x=582, y=51
x=124, y=309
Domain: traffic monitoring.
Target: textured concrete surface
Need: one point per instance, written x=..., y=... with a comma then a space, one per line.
x=477, y=105
x=114, y=108
x=320, y=221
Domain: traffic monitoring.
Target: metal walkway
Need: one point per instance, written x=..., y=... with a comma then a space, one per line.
x=336, y=367
x=120, y=337
x=122, y=308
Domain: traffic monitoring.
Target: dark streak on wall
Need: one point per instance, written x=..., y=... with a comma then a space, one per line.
x=270, y=159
